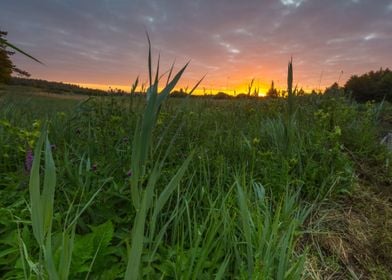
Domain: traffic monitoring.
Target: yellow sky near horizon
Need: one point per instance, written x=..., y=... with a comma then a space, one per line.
x=260, y=87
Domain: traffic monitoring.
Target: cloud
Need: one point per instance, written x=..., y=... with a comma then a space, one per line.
x=104, y=41
x=295, y=3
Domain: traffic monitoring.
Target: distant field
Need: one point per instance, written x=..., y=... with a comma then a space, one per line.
x=228, y=189
x=26, y=92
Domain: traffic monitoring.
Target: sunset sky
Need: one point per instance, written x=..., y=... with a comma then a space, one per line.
x=103, y=42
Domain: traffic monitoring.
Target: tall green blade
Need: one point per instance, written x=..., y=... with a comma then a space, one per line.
x=134, y=256
x=35, y=195
x=49, y=187
x=167, y=191
x=246, y=223
x=19, y=50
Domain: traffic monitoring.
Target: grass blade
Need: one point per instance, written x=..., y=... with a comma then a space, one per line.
x=246, y=223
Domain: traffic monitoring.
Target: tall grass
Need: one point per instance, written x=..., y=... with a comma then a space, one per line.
x=290, y=92
x=142, y=199
x=53, y=262
x=218, y=197
x=42, y=204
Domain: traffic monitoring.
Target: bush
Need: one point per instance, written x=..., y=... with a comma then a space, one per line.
x=371, y=86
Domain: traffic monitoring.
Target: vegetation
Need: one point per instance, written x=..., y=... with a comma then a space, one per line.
x=195, y=189
x=272, y=91
x=374, y=85
x=6, y=65
x=58, y=87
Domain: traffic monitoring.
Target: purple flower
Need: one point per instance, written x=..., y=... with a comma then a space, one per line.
x=94, y=167
x=29, y=160
x=129, y=173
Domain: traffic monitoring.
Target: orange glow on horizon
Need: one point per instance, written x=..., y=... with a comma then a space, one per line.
x=234, y=82
x=238, y=89
x=242, y=88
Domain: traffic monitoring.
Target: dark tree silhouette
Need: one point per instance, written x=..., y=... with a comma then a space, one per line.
x=272, y=92
x=6, y=65
x=374, y=85
x=334, y=89
x=5, y=61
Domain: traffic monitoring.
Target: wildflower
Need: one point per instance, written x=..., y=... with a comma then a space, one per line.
x=29, y=160
x=256, y=141
x=94, y=167
x=129, y=173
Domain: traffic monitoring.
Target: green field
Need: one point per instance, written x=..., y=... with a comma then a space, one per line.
x=203, y=189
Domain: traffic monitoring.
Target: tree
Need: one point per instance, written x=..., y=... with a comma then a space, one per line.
x=334, y=89
x=6, y=65
x=5, y=61
x=301, y=92
x=272, y=92
x=374, y=85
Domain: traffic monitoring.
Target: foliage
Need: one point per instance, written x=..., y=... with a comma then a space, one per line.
x=235, y=190
x=142, y=188
x=290, y=91
x=272, y=91
x=374, y=85
x=22, y=141
x=56, y=87
x=334, y=89
x=6, y=65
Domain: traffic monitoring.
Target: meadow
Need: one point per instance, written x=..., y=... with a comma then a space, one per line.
x=179, y=188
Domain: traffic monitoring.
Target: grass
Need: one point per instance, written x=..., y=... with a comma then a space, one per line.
x=138, y=188
x=352, y=237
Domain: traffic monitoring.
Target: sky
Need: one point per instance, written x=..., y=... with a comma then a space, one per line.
x=101, y=42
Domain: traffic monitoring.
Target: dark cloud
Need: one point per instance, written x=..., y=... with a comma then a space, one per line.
x=104, y=41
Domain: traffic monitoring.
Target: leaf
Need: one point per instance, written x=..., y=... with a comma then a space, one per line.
x=35, y=194
x=166, y=91
x=134, y=255
x=82, y=253
x=49, y=188
x=102, y=235
x=19, y=50
x=246, y=223
x=222, y=268
x=167, y=191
